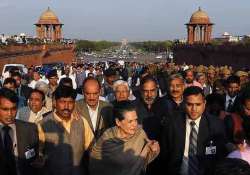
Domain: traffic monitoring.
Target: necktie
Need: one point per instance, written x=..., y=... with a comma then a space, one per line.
x=192, y=152
x=9, y=151
x=230, y=105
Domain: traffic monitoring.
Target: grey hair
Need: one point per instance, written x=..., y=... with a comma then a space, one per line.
x=176, y=76
x=119, y=83
x=200, y=75
x=42, y=86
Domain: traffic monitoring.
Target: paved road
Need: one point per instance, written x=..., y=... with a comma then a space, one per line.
x=141, y=59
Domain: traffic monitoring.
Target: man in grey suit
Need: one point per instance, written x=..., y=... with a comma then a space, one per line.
x=18, y=139
x=98, y=113
x=36, y=110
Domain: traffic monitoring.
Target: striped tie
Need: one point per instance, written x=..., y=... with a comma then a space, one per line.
x=192, y=152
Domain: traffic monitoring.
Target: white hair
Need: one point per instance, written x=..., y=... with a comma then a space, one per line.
x=120, y=83
x=42, y=86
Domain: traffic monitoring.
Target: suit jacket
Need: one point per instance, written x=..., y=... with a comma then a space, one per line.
x=173, y=143
x=104, y=118
x=27, y=141
x=24, y=113
x=24, y=91
x=235, y=104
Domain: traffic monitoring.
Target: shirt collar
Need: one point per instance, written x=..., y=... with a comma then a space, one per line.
x=89, y=108
x=197, y=121
x=59, y=119
x=228, y=97
x=13, y=126
x=38, y=113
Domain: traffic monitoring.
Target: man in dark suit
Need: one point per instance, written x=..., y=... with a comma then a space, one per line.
x=98, y=113
x=21, y=90
x=232, y=93
x=173, y=101
x=192, y=141
x=18, y=139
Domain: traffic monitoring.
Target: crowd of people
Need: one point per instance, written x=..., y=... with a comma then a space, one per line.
x=126, y=119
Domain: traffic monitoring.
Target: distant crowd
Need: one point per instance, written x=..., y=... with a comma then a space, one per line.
x=125, y=118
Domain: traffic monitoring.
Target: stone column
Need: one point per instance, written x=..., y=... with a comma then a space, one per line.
x=190, y=34
x=201, y=34
x=43, y=31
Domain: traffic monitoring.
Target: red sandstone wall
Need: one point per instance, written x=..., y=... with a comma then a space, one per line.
x=66, y=56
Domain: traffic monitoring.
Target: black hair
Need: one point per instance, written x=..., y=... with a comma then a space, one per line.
x=245, y=95
x=147, y=79
x=52, y=73
x=64, y=92
x=233, y=79
x=9, y=94
x=109, y=72
x=16, y=74
x=193, y=90
x=220, y=83
x=215, y=98
x=121, y=107
x=37, y=91
x=232, y=166
x=90, y=79
x=9, y=81
x=66, y=81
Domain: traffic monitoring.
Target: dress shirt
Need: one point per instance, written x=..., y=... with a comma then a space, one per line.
x=188, y=130
x=93, y=115
x=36, y=117
x=227, y=100
x=184, y=166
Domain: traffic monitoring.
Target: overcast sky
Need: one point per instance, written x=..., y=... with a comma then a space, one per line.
x=131, y=19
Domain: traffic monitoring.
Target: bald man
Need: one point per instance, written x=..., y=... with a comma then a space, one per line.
x=98, y=113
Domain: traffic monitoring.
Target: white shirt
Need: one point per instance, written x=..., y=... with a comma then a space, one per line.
x=184, y=166
x=36, y=117
x=93, y=115
x=227, y=100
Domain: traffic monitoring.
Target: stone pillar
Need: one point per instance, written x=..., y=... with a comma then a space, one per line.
x=201, y=34
x=43, y=31
x=38, y=31
x=209, y=33
x=190, y=34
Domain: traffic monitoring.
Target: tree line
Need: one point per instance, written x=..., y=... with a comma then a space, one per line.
x=90, y=46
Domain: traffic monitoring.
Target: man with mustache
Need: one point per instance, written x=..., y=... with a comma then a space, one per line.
x=147, y=109
x=174, y=100
x=18, y=139
x=98, y=113
x=64, y=136
x=192, y=141
x=145, y=106
x=190, y=80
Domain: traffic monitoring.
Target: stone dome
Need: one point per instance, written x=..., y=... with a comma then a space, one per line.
x=48, y=17
x=199, y=17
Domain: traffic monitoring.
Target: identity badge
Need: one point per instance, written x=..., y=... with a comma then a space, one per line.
x=211, y=150
x=30, y=153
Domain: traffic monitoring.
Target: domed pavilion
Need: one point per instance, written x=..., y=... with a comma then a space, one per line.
x=49, y=26
x=199, y=28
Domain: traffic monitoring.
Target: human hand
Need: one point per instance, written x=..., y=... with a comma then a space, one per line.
x=153, y=145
